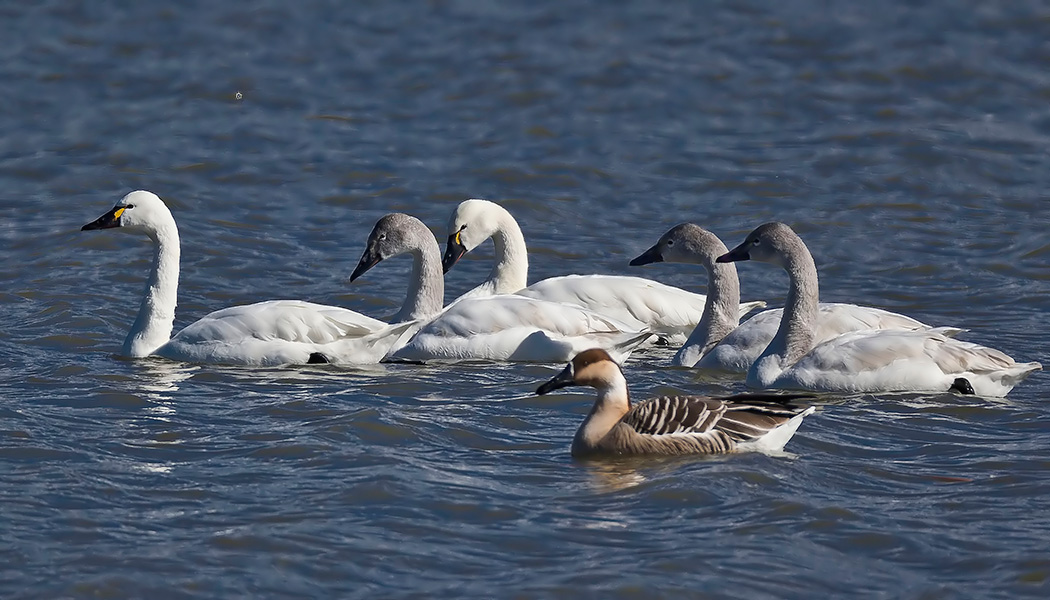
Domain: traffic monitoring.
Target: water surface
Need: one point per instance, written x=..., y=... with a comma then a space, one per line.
x=906, y=143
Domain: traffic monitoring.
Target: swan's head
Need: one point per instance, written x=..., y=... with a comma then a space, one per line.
x=771, y=243
x=138, y=212
x=594, y=368
x=685, y=243
x=473, y=222
x=392, y=235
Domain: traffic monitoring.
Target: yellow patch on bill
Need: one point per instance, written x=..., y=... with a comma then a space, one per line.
x=118, y=212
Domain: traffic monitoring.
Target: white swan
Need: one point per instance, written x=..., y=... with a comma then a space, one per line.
x=668, y=311
x=494, y=328
x=862, y=361
x=720, y=342
x=264, y=334
x=672, y=424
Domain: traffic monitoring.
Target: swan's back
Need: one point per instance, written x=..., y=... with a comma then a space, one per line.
x=738, y=350
x=517, y=328
x=901, y=361
x=289, y=320
x=270, y=333
x=669, y=311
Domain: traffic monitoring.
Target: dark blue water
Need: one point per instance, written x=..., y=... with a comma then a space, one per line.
x=907, y=143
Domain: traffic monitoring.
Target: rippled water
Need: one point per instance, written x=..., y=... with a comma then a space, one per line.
x=906, y=143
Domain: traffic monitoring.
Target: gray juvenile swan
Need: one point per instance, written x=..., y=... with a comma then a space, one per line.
x=719, y=342
x=495, y=328
x=672, y=424
x=862, y=361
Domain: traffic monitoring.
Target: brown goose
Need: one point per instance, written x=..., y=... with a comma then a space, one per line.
x=672, y=424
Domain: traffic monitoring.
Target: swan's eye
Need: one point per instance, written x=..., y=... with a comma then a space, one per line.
x=382, y=236
x=755, y=242
x=129, y=206
x=670, y=243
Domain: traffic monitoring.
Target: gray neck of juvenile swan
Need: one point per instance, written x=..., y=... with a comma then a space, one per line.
x=795, y=336
x=156, y=317
x=511, y=271
x=721, y=311
x=426, y=283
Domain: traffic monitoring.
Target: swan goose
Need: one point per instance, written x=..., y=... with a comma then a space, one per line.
x=672, y=424
x=862, y=361
x=720, y=342
x=269, y=333
x=668, y=311
x=509, y=328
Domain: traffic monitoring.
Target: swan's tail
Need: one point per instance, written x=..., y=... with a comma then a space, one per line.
x=746, y=307
x=621, y=350
x=1019, y=372
x=372, y=348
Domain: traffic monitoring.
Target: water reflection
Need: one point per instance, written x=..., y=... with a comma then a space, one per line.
x=158, y=381
x=613, y=476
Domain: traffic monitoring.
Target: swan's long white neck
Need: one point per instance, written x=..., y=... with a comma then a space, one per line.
x=153, y=325
x=511, y=271
x=721, y=311
x=795, y=336
x=426, y=283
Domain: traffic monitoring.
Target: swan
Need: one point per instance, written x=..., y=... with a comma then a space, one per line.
x=269, y=333
x=862, y=361
x=510, y=328
x=668, y=311
x=672, y=424
x=718, y=343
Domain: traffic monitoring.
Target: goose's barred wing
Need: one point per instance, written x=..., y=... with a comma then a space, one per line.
x=743, y=417
x=675, y=414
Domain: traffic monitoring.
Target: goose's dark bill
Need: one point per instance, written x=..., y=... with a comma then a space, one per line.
x=106, y=221
x=564, y=379
x=652, y=255
x=454, y=250
x=736, y=254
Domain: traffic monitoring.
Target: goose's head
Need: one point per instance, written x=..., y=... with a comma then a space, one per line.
x=594, y=368
x=392, y=235
x=473, y=222
x=771, y=243
x=138, y=212
x=685, y=243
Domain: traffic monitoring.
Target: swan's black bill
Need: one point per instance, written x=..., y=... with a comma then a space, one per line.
x=652, y=255
x=736, y=254
x=563, y=379
x=368, y=260
x=453, y=252
x=106, y=221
